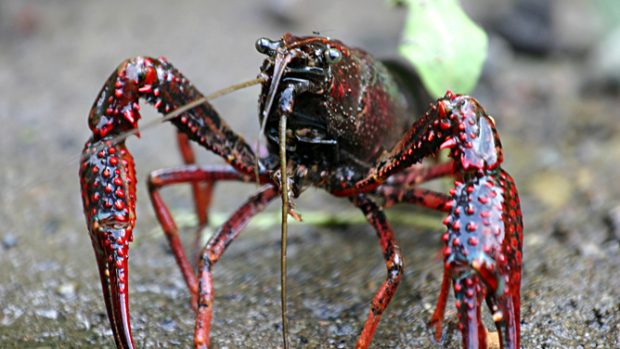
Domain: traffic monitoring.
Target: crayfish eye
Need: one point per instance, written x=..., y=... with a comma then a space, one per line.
x=333, y=56
x=267, y=46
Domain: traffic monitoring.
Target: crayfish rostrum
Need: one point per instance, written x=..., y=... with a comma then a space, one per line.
x=333, y=118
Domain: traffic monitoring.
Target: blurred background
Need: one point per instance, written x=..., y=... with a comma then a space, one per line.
x=551, y=80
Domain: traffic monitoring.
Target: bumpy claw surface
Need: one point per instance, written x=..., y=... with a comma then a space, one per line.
x=483, y=256
x=484, y=238
x=108, y=193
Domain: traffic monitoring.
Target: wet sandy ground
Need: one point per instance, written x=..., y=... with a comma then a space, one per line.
x=562, y=145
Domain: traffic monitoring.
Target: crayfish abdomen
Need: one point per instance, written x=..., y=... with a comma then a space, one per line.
x=333, y=118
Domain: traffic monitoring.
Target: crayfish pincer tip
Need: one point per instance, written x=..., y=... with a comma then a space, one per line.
x=114, y=273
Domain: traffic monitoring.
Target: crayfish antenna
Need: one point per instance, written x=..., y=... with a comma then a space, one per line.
x=282, y=59
x=285, y=212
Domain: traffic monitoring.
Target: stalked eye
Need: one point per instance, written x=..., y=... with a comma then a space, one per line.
x=333, y=56
x=267, y=46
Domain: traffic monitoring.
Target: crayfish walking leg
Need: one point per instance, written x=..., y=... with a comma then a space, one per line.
x=214, y=250
x=202, y=192
x=192, y=174
x=393, y=262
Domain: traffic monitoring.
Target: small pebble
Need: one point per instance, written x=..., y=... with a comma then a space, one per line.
x=67, y=290
x=168, y=325
x=9, y=241
x=51, y=314
x=493, y=340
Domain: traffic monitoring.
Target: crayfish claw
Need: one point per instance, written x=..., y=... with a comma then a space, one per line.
x=108, y=193
x=469, y=293
x=483, y=257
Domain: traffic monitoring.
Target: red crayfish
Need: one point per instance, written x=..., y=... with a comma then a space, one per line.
x=334, y=118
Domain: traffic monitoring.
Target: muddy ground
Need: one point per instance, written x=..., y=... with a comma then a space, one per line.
x=556, y=106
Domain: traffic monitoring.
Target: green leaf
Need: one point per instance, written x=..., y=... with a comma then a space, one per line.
x=446, y=47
